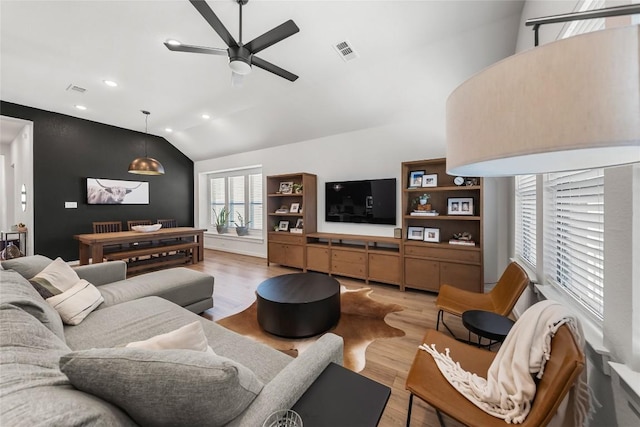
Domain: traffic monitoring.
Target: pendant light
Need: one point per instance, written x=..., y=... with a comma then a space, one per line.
x=568, y=105
x=146, y=165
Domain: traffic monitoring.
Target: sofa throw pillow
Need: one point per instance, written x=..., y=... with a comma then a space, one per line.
x=75, y=304
x=188, y=337
x=162, y=388
x=56, y=277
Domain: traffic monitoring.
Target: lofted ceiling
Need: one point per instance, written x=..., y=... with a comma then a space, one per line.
x=412, y=54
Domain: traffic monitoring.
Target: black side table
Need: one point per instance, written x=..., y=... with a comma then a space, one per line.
x=340, y=397
x=486, y=324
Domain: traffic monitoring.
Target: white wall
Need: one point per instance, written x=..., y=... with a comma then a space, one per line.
x=367, y=154
x=17, y=169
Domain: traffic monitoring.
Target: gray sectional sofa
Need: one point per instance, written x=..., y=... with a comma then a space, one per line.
x=44, y=364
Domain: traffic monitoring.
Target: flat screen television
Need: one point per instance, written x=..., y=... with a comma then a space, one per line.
x=371, y=201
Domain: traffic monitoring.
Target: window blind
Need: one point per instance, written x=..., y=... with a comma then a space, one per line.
x=525, y=212
x=217, y=197
x=255, y=201
x=574, y=235
x=236, y=198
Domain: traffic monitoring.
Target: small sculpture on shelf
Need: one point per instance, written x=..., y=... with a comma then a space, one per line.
x=420, y=203
x=464, y=238
x=421, y=207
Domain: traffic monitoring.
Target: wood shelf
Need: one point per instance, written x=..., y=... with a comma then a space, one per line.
x=356, y=256
x=284, y=247
x=427, y=265
x=444, y=217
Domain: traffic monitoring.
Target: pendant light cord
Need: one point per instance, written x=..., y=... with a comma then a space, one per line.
x=146, y=130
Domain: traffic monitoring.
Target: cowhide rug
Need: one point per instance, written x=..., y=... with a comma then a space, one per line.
x=361, y=322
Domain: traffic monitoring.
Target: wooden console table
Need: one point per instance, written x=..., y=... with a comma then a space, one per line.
x=92, y=245
x=362, y=257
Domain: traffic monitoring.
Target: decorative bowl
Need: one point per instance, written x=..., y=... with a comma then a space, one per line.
x=146, y=228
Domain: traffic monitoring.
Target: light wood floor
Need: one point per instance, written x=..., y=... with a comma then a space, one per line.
x=388, y=360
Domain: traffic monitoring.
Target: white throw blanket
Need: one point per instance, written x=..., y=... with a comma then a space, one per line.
x=509, y=388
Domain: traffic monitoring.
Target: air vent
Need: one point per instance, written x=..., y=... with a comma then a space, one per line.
x=346, y=50
x=76, y=88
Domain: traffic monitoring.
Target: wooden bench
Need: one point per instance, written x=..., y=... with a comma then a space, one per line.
x=160, y=255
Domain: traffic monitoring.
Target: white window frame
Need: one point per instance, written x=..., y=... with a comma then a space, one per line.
x=257, y=224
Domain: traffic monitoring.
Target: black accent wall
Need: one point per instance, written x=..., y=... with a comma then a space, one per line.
x=67, y=150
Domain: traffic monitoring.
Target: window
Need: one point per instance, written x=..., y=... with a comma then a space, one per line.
x=573, y=28
x=240, y=192
x=525, y=215
x=574, y=235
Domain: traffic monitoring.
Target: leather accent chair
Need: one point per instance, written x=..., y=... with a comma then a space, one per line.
x=500, y=300
x=427, y=382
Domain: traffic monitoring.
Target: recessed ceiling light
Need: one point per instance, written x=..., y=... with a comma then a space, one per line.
x=168, y=130
x=110, y=83
x=206, y=116
x=81, y=107
x=173, y=42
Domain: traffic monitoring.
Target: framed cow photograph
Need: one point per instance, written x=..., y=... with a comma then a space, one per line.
x=102, y=191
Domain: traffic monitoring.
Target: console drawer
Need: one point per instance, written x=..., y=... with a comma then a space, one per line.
x=471, y=256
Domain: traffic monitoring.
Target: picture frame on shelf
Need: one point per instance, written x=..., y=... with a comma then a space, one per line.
x=415, y=179
x=460, y=206
x=431, y=235
x=415, y=233
x=430, y=180
x=286, y=187
x=295, y=208
x=300, y=223
x=283, y=226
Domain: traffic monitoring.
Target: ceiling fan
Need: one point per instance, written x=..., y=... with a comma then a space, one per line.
x=241, y=56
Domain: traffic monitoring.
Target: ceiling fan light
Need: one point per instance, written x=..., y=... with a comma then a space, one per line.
x=236, y=79
x=173, y=42
x=146, y=166
x=239, y=66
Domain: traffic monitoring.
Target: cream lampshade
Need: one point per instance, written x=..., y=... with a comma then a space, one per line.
x=571, y=104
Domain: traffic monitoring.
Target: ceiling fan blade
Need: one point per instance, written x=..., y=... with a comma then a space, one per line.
x=273, y=36
x=268, y=66
x=196, y=49
x=206, y=12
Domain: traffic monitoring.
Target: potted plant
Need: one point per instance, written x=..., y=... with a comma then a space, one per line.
x=297, y=188
x=241, y=228
x=222, y=219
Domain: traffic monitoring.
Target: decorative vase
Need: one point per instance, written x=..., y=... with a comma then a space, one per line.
x=222, y=229
x=242, y=231
x=10, y=252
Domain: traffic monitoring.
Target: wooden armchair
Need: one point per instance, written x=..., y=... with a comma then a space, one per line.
x=501, y=299
x=107, y=226
x=168, y=223
x=427, y=382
